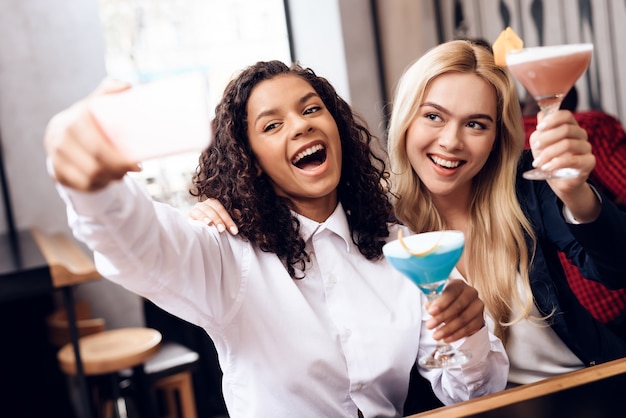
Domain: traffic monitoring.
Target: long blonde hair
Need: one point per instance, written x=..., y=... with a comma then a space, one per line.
x=496, y=249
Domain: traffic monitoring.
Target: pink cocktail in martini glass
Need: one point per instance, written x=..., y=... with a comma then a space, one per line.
x=548, y=73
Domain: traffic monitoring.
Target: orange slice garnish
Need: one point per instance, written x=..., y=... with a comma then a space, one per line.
x=507, y=41
x=417, y=253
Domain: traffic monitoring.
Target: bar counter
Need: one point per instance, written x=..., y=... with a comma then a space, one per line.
x=593, y=392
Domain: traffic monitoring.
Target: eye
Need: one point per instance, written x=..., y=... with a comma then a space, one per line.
x=433, y=117
x=270, y=126
x=312, y=109
x=476, y=125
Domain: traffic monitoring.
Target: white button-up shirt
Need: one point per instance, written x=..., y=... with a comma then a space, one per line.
x=340, y=340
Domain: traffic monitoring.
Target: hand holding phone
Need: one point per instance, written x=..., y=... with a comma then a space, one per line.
x=157, y=119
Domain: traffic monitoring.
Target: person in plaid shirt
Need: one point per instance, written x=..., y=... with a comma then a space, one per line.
x=608, y=140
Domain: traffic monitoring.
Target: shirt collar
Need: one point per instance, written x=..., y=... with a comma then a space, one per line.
x=336, y=223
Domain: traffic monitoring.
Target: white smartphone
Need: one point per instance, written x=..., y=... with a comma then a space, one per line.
x=165, y=117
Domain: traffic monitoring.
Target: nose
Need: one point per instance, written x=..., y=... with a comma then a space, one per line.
x=450, y=137
x=300, y=125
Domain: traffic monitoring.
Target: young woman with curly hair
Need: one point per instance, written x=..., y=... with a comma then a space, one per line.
x=264, y=215
x=306, y=316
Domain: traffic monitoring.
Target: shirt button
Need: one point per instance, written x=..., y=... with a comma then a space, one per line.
x=347, y=333
x=332, y=279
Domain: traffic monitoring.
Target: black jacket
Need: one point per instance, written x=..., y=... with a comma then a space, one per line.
x=597, y=248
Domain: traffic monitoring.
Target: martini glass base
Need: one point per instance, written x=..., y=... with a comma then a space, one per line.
x=445, y=356
x=561, y=173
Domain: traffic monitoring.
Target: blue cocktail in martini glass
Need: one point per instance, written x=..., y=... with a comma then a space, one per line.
x=427, y=259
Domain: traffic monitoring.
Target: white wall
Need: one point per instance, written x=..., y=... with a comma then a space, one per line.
x=51, y=54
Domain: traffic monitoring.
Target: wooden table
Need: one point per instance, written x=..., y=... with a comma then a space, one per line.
x=34, y=262
x=23, y=269
x=598, y=391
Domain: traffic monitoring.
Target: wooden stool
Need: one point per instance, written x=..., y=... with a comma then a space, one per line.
x=58, y=326
x=169, y=371
x=110, y=352
x=177, y=393
x=169, y=376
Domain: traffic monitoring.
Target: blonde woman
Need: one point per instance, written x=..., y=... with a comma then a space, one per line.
x=455, y=145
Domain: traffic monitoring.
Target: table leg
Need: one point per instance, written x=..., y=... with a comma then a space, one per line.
x=68, y=297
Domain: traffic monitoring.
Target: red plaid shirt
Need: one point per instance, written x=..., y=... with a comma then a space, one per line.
x=608, y=139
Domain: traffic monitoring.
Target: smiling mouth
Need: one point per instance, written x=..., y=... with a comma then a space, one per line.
x=310, y=158
x=445, y=163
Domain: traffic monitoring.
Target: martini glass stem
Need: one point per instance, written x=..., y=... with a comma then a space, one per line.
x=443, y=350
x=549, y=105
x=444, y=355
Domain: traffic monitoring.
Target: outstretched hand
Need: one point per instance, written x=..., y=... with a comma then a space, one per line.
x=82, y=157
x=458, y=311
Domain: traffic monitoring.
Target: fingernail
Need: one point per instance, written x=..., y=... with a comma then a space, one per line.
x=221, y=228
x=547, y=166
x=234, y=230
x=536, y=162
x=206, y=221
x=541, y=126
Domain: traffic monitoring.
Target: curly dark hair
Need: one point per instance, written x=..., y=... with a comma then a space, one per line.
x=227, y=172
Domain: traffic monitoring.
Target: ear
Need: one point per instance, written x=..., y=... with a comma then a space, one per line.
x=259, y=170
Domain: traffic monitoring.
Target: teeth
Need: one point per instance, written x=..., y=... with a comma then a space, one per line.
x=445, y=163
x=307, y=152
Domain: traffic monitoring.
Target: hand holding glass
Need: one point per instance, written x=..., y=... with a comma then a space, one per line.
x=548, y=73
x=427, y=259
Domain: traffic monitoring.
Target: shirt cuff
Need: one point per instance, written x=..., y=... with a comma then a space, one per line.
x=567, y=214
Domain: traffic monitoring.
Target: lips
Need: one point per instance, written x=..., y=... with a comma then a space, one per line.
x=311, y=157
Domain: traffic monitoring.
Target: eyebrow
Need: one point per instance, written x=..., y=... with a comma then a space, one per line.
x=444, y=110
x=302, y=100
